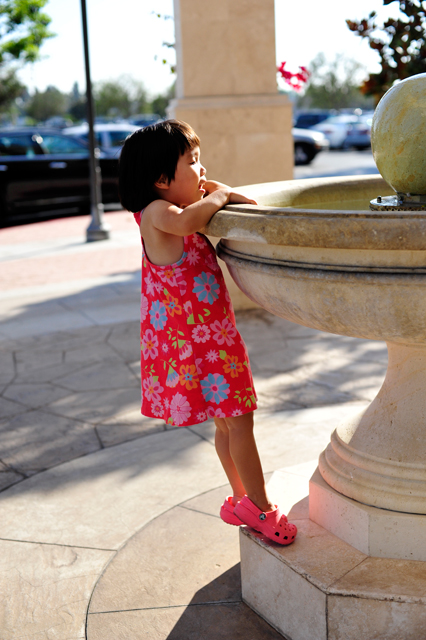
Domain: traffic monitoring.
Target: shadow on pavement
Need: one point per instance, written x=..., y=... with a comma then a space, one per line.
x=71, y=392
x=225, y=620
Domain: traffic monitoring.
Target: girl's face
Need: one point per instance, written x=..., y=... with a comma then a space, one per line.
x=187, y=185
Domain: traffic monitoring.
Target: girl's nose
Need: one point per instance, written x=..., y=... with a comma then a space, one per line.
x=203, y=171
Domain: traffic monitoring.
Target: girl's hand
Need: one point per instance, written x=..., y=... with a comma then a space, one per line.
x=213, y=185
x=234, y=198
x=238, y=198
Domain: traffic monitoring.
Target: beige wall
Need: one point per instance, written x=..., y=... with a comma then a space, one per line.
x=244, y=140
x=227, y=89
x=225, y=47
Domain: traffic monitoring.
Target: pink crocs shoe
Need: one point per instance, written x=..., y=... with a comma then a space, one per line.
x=227, y=513
x=272, y=524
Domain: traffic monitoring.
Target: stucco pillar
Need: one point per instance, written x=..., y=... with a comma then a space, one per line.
x=227, y=89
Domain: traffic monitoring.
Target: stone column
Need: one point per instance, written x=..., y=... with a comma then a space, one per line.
x=227, y=89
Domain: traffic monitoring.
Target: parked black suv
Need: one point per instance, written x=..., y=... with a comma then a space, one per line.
x=45, y=173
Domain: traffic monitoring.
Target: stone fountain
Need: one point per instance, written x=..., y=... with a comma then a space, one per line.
x=313, y=253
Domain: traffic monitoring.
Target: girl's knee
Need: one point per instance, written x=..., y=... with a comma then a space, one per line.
x=244, y=421
x=221, y=425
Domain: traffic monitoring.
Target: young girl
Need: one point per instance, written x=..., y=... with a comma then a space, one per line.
x=194, y=364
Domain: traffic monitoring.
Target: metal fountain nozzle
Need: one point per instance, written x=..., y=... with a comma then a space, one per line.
x=399, y=202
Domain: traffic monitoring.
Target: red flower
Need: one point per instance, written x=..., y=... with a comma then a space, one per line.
x=295, y=80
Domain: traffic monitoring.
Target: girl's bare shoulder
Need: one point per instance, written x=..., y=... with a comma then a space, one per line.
x=156, y=205
x=154, y=208
x=159, y=210
x=159, y=206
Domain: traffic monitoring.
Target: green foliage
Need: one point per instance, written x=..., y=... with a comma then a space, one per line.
x=78, y=109
x=46, y=104
x=401, y=45
x=333, y=85
x=10, y=88
x=23, y=29
x=111, y=99
x=167, y=45
x=77, y=106
x=120, y=98
x=160, y=103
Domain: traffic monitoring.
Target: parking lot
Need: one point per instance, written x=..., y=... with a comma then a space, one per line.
x=338, y=163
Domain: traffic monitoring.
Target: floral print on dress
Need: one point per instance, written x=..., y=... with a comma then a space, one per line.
x=223, y=332
x=201, y=333
x=144, y=307
x=172, y=304
x=180, y=410
x=215, y=388
x=206, y=288
x=158, y=315
x=194, y=364
x=152, y=389
x=157, y=409
x=149, y=345
x=232, y=365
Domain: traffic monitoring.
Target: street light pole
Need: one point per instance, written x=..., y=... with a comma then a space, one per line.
x=97, y=229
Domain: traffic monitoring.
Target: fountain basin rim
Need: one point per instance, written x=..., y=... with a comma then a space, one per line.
x=376, y=306
x=272, y=265
x=286, y=212
x=282, y=268
x=267, y=223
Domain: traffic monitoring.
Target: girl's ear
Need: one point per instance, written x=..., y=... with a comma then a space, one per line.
x=162, y=182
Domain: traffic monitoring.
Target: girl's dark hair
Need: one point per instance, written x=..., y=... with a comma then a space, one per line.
x=147, y=155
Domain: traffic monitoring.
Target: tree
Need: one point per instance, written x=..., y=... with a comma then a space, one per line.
x=401, y=45
x=333, y=85
x=78, y=104
x=161, y=102
x=120, y=98
x=23, y=29
x=112, y=99
x=46, y=104
x=10, y=88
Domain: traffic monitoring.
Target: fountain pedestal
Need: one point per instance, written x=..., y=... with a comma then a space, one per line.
x=323, y=588
x=354, y=571
x=378, y=457
x=357, y=568
x=376, y=532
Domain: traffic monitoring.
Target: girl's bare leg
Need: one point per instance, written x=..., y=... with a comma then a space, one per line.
x=240, y=458
x=222, y=449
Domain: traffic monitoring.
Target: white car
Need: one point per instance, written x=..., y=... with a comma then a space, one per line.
x=307, y=144
x=336, y=128
x=109, y=136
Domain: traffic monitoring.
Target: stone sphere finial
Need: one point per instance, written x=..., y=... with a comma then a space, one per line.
x=398, y=136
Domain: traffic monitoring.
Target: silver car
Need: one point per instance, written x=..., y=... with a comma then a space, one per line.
x=109, y=136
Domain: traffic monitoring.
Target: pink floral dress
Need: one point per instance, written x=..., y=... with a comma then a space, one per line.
x=194, y=363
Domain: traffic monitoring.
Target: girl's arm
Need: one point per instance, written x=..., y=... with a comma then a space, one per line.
x=168, y=218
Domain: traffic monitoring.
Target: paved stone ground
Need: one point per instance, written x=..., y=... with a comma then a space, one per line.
x=89, y=488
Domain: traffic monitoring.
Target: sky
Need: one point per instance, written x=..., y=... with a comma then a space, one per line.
x=126, y=37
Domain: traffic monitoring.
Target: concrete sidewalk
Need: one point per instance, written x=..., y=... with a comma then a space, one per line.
x=109, y=524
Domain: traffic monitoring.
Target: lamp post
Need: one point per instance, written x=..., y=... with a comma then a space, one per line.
x=97, y=229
